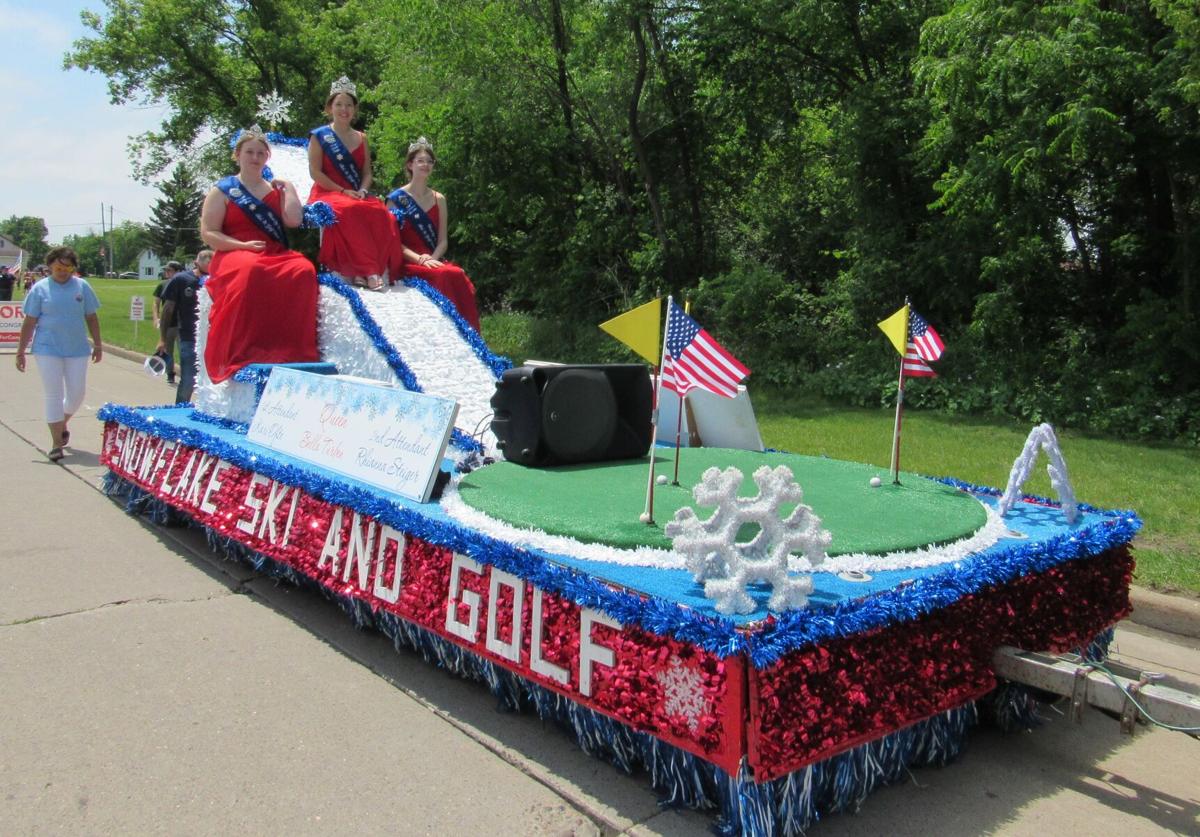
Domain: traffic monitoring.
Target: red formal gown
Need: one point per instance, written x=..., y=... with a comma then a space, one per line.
x=449, y=280
x=264, y=307
x=364, y=241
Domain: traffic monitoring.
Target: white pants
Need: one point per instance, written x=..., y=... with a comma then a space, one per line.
x=63, y=382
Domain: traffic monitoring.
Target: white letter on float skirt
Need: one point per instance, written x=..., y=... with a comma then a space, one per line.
x=185, y=478
x=149, y=454
x=510, y=650
x=166, y=447
x=214, y=484
x=386, y=535
x=166, y=486
x=536, y=662
x=275, y=496
x=193, y=493
x=252, y=502
x=359, y=550
x=589, y=652
x=468, y=630
x=333, y=542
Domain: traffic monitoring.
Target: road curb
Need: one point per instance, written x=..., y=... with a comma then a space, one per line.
x=1174, y=614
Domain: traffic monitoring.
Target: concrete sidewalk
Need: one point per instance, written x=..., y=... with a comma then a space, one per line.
x=151, y=687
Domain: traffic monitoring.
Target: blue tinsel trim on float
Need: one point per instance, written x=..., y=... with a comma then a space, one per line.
x=718, y=635
x=273, y=137
x=319, y=214
x=379, y=340
x=787, y=805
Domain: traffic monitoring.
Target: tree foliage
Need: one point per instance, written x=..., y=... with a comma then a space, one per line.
x=1025, y=172
x=174, y=231
x=28, y=233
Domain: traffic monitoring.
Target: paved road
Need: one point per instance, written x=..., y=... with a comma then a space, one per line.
x=150, y=687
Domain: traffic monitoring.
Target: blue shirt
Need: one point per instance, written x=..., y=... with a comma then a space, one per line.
x=60, y=311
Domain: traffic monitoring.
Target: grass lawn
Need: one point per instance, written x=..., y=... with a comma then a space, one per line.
x=115, y=325
x=1160, y=482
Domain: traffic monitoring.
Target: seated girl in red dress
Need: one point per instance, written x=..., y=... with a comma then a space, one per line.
x=423, y=219
x=264, y=296
x=364, y=242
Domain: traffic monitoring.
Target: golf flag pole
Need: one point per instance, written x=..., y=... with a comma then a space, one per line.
x=648, y=515
x=896, y=329
x=687, y=309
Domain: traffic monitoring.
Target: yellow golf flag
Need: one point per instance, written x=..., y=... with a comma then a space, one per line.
x=640, y=329
x=896, y=328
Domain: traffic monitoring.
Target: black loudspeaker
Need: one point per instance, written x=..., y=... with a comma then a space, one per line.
x=559, y=415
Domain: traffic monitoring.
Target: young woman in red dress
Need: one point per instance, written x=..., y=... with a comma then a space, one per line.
x=423, y=233
x=364, y=242
x=264, y=296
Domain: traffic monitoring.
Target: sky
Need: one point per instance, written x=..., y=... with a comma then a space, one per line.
x=62, y=145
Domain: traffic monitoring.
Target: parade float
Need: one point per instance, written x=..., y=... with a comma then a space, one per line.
x=791, y=633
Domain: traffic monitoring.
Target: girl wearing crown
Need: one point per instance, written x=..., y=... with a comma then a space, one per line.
x=364, y=242
x=422, y=215
x=264, y=296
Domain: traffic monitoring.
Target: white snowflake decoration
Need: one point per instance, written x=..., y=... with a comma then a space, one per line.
x=714, y=556
x=1041, y=438
x=273, y=108
x=683, y=692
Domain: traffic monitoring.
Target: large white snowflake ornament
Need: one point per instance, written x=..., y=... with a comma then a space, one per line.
x=683, y=692
x=273, y=108
x=714, y=556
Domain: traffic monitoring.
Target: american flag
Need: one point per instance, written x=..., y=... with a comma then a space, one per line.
x=694, y=360
x=924, y=346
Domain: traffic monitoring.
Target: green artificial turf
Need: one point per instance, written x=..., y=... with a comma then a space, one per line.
x=601, y=502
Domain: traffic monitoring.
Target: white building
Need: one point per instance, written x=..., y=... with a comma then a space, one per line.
x=149, y=265
x=10, y=254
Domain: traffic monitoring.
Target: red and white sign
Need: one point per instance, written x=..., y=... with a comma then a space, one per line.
x=137, y=308
x=12, y=314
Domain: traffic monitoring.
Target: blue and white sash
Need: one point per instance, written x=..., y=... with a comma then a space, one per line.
x=257, y=211
x=341, y=157
x=412, y=212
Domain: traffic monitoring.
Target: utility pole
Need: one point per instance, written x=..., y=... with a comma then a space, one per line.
x=111, y=269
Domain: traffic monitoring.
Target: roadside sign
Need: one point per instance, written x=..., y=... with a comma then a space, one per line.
x=12, y=314
x=137, y=308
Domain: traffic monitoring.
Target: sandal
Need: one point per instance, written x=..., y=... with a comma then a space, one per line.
x=55, y=454
x=375, y=283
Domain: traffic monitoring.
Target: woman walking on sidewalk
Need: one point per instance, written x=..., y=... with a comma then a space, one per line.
x=60, y=312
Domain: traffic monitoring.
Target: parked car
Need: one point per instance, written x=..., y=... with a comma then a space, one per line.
x=129, y=274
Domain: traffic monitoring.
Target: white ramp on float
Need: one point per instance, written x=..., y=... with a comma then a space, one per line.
x=436, y=350
x=401, y=337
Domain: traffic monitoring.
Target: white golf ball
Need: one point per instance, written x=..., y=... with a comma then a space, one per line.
x=644, y=517
x=661, y=479
x=876, y=482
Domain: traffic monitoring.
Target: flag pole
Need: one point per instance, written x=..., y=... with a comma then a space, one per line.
x=648, y=515
x=687, y=309
x=899, y=405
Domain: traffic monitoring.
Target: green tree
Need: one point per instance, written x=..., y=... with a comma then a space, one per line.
x=174, y=230
x=28, y=233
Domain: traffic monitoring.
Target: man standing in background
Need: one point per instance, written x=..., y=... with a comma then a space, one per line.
x=166, y=325
x=179, y=307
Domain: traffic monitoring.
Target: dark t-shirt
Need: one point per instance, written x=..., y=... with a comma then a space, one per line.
x=7, y=280
x=181, y=290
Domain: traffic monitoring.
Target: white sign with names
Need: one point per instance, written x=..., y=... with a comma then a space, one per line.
x=137, y=308
x=385, y=436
